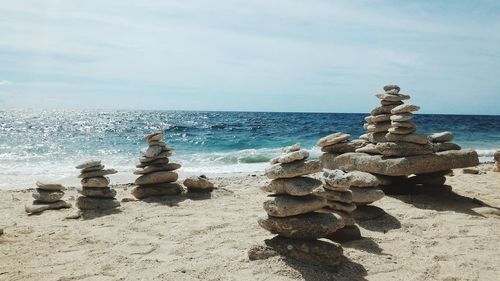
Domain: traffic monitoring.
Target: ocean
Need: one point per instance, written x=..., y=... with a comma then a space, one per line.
x=48, y=144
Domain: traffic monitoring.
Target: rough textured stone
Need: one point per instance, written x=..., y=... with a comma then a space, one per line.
x=404, y=124
x=333, y=139
x=412, y=138
x=379, y=127
x=402, y=117
x=363, y=196
x=152, y=151
x=391, y=87
x=95, y=203
x=98, y=173
x=444, y=146
x=382, y=109
x=345, y=234
x=291, y=157
x=377, y=137
x=392, y=97
x=321, y=253
x=404, y=166
x=386, y=102
x=50, y=186
x=364, y=137
x=307, y=226
x=367, y=212
x=347, y=217
x=403, y=148
x=380, y=118
x=92, y=169
x=336, y=179
x=341, y=196
x=195, y=183
x=157, y=177
x=401, y=130
x=162, y=189
x=162, y=167
x=295, y=169
x=441, y=137
x=38, y=207
x=369, y=148
x=95, y=182
x=148, y=160
x=88, y=164
x=157, y=162
x=342, y=147
x=157, y=136
x=405, y=108
x=292, y=148
x=287, y=205
x=97, y=192
x=340, y=206
x=46, y=196
x=298, y=186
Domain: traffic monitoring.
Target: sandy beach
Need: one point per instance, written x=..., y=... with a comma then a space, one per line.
x=430, y=235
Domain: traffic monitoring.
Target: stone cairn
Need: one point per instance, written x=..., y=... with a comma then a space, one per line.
x=47, y=197
x=496, y=156
x=95, y=190
x=157, y=174
x=395, y=154
x=297, y=215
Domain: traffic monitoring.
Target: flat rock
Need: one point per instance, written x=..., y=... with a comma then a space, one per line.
x=346, y=234
x=333, y=139
x=92, y=169
x=340, y=196
x=343, y=207
x=47, y=196
x=295, y=169
x=403, y=166
x=37, y=207
x=378, y=118
x=157, y=136
x=387, y=102
x=307, y=226
x=366, y=195
x=405, y=108
x=152, y=151
x=157, y=162
x=154, y=190
x=50, y=186
x=97, y=192
x=441, y=137
x=95, y=203
x=198, y=183
x=401, y=130
x=98, y=173
x=157, y=177
x=342, y=147
x=402, y=117
x=404, y=124
x=403, y=148
x=291, y=157
x=412, y=138
x=392, y=97
x=444, y=146
x=367, y=212
x=370, y=148
x=287, y=205
x=298, y=186
x=158, y=168
x=391, y=87
x=321, y=253
x=291, y=148
x=149, y=160
x=95, y=182
x=384, y=109
x=88, y=164
x=379, y=127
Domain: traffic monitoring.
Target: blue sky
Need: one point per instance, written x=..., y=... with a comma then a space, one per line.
x=285, y=55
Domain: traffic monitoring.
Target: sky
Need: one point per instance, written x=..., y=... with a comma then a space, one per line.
x=260, y=55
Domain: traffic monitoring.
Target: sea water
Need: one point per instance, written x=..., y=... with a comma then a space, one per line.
x=48, y=144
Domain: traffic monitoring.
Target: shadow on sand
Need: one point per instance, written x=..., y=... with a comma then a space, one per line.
x=347, y=271
x=365, y=244
x=92, y=214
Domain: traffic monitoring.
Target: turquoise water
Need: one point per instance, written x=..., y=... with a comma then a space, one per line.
x=51, y=143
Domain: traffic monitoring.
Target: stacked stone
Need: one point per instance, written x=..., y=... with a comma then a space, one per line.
x=95, y=190
x=197, y=184
x=294, y=212
x=158, y=176
x=47, y=197
x=496, y=156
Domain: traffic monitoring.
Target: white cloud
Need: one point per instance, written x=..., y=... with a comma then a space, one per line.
x=5, y=82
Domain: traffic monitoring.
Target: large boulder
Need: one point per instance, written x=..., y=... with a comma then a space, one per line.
x=403, y=166
x=287, y=205
x=295, y=169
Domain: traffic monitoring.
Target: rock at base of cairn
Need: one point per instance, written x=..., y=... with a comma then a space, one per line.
x=155, y=190
x=198, y=184
x=47, y=197
x=38, y=207
x=314, y=252
x=96, y=203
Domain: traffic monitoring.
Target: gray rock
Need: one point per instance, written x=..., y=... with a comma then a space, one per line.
x=95, y=182
x=287, y=205
x=154, y=137
x=347, y=218
x=391, y=87
x=292, y=148
x=98, y=173
x=342, y=147
x=377, y=137
x=404, y=124
x=340, y=196
x=46, y=196
x=336, y=180
x=369, y=148
x=366, y=195
x=321, y=253
x=346, y=234
x=92, y=169
x=379, y=127
x=403, y=166
x=444, y=146
x=402, y=117
x=384, y=109
x=386, y=102
x=157, y=177
x=162, y=189
x=97, y=192
x=401, y=130
x=38, y=207
x=298, y=186
x=158, y=168
x=441, y=137
x=340, y=206
x=198, y=183
x=307, y=226
x=412, y=138
x=50, y=186
x=291, y=157
x=88, y=164
x=152, y=151
x=392, y=97
x=333, y=139
x=149, y=160
x=157, y=162
x=403, y=148
x=295, y=169
x=95, y=203
x=405, y=108
x=392, y=92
